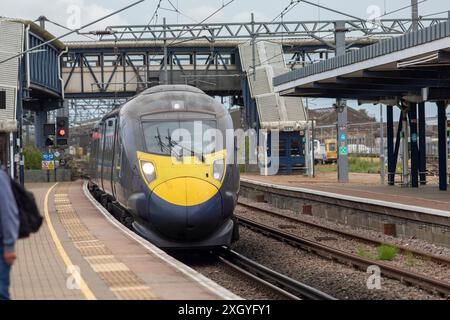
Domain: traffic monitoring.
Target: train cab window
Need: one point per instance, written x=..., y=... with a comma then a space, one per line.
x=194, y=137
x=332, y=147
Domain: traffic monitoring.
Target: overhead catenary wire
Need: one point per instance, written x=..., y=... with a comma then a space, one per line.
x=389, y=13
x=292, y=4
x=160, y=51
x=177, y=10
x=66, y=28
x=434, y=14
x=71, y=32
x=224, y=5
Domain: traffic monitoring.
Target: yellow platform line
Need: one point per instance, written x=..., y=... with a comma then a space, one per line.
x=88, y=294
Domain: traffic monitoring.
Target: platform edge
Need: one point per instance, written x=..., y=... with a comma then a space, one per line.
x=205, y=282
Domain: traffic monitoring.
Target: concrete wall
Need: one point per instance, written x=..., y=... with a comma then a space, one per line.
x=408, y=224
x=48, y=176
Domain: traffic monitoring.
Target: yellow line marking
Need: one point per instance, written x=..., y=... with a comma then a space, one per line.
x=83, y=286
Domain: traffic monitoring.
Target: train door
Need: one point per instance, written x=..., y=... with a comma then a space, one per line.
x=110, y=126
x=117, y=164
x=100, y=154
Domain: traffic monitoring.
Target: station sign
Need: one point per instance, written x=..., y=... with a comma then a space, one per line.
x=48, y=156
x=343, y=151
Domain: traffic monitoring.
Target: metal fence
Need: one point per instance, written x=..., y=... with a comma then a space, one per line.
x=364, y=139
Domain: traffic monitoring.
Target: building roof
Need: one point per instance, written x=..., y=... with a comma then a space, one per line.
x=327, y=116
x=390, y=69
x=36, y=29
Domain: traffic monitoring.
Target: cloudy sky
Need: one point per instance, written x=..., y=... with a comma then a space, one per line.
x=239, y=10
x=73, y=13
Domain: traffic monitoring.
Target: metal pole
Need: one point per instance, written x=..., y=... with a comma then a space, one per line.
x=341, y=109
x=253, y=48
x=11, y=154
x=342, y=148
x=20, y=115
x=442, y=143
x=339, y=37
x=422, y=144
x=405, y=149
x=413, y=144
x=166, y=77
x=390, y=144
x=313, y=150
x=382, y=158
x=415, y=15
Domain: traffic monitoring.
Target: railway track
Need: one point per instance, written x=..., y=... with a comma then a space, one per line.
x=394, y=272
x=287, y=287
x=346, y=234
x=281, y=284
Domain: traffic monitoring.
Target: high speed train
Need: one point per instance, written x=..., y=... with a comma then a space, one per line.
x=176, y=190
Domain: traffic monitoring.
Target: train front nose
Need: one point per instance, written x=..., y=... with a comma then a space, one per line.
x=186, y=208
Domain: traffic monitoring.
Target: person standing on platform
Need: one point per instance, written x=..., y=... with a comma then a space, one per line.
x=9, y=232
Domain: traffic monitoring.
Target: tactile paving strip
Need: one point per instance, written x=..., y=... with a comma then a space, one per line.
x=118, y=277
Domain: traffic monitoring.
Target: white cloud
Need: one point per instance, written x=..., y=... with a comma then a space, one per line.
x=244, y=16
x=199, y=13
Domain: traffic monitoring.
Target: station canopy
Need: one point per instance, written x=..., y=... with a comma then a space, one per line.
x=414, y=67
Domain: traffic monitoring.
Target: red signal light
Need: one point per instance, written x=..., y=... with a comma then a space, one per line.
x=62, y=132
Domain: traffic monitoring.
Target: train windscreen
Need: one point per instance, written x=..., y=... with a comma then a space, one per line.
x=185, y=138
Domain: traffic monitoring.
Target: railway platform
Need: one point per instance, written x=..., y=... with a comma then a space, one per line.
x=81, y=252
x=422, y=213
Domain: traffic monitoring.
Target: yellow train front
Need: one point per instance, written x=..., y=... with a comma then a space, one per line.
x=165, y=158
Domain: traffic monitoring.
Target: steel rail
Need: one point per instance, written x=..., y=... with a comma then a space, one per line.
x=362, y=238
x=394, y=272
x=290, y=288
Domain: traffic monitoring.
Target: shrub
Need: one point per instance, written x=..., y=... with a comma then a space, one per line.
x=33, y=158
x=387, y=252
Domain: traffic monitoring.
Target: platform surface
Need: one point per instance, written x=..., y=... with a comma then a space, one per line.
x=79, y=253
x=364, y=186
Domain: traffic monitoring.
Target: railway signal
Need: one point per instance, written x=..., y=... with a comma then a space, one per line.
x=62, y=131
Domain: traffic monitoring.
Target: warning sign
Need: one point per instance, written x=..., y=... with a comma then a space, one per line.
x=48, y=165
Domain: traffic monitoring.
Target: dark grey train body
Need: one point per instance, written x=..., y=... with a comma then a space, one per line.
x=179, y=197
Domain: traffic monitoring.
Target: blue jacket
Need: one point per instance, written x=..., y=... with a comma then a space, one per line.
x=9, y=214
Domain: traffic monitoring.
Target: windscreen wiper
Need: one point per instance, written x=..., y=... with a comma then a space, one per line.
x=200, y=156
x=164, y=147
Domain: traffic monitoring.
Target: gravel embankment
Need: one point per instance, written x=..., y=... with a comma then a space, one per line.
x=227, y=277
x=338, y=280
x=402, y=259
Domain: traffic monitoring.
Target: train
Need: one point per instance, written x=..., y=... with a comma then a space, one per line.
x=152, y=168
x=331, y=150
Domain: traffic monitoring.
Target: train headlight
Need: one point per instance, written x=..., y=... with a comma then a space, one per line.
x=149, y=171
x=218, y=169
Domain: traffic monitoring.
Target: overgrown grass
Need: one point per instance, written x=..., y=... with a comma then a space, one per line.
x=358, y=165
x=326, y=168
x=362, y=252
x=409, y=258
x=387, y=252
x=33, y=158
x=364, y=165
